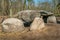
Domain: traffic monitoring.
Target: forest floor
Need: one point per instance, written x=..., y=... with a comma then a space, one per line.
x=50, y=32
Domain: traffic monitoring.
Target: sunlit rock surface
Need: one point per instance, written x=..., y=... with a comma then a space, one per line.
x=37, y=24
x=51, y=19
x=12, y=25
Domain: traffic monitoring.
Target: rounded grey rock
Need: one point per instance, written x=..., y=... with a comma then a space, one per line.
x=13, y=25
x=51, y=19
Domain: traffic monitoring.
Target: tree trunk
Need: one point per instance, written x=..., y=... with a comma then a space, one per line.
x=10, y=9
x=5, y=7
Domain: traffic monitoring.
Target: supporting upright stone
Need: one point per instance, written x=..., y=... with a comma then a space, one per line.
x=51, y=19
x=37, y=24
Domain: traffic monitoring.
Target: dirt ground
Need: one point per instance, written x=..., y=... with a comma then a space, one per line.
x=50, y=32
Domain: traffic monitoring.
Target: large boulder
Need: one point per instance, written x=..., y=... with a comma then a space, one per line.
x=28, y=16
x=37, y=24
x=51, y=19
x=13, y=25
